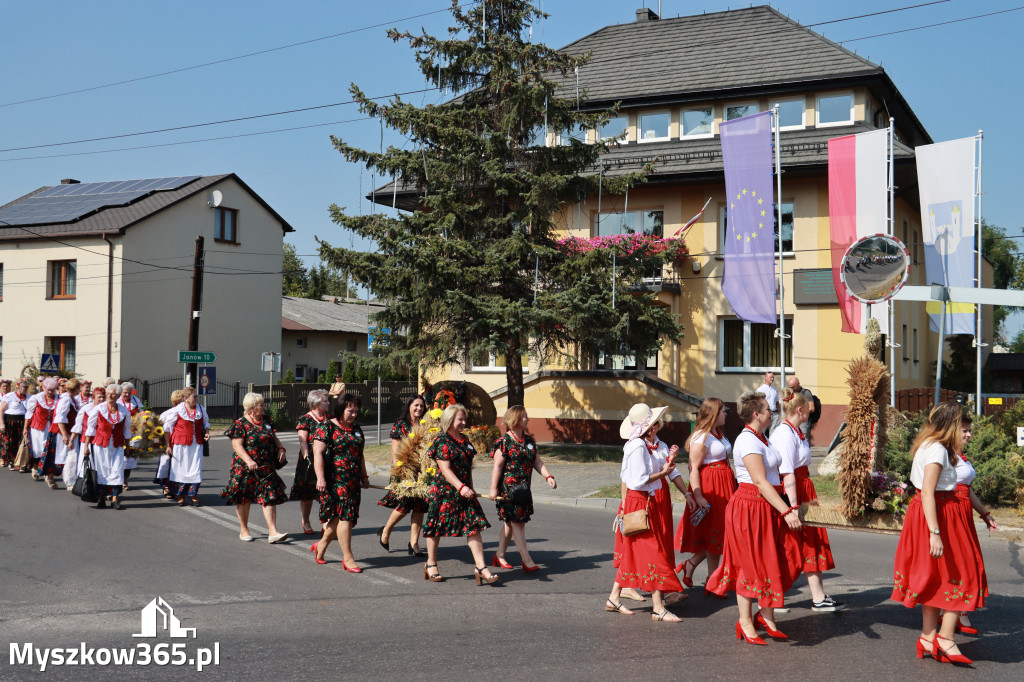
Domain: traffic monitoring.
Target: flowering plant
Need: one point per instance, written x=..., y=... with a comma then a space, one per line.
x=641, y=245
x=890, y=493
x=443, y=399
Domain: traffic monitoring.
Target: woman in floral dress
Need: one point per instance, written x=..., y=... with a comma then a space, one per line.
x=253, y=473
x=515, y=458
x=304, y=486
x=411, y=415
x=340, y=475
x=453, y=510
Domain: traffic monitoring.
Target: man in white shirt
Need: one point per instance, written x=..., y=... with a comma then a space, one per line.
x=772, y=396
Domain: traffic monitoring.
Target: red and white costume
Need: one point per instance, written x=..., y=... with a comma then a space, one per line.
x=110, y=431
x=39, y=412
x=67, y=412
x=717, y=485
x=186, y=427
x=796, y=459
x=133, y=405
x=81, y=423
x=163, y=468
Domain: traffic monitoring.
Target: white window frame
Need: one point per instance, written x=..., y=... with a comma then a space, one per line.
x=640, y=127
x=568, y=136
x=698, y=136
x=817, y=109
x=490, y=367
x=727, y=107
x=619, y=361
x=721, y=228
x=638, y=212
x=803, y=111
x=624, y=117
x=747, y=368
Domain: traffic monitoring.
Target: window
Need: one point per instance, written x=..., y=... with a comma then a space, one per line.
x=915, y=345
x=653, y=127
x=300, y=342
x=1, y=281
x=791, y=113
x=64, y=346
x=225, y=225
x=905, y=349
x=634, y=222
x=787, y=227
x=63, y=278
x=350, y=346
x=300, y=372
x=697, y=123
x=740, y=110
x=614, y=128
x=834, y=110
x=624, y=361
x=576, y=132
x=752, y=346
x=538, y=137
x=489, y=361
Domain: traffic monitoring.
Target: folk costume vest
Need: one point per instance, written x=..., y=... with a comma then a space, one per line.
x=72, y=413
x=105, y=430
x=185, y=431
x=42, y=416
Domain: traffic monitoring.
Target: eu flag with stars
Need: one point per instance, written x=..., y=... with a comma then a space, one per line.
x=749, y=280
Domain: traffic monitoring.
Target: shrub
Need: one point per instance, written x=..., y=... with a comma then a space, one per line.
x=280, y=418
x=332, y=371
x=896, y=453
x=288, y=378
x=349, y=374
x=321, y=378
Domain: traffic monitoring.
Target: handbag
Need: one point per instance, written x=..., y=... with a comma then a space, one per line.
x=280, y=463
x=206, y=448
x=637, y=521
x=85, y=486
x=519, y=494
x=305, y=472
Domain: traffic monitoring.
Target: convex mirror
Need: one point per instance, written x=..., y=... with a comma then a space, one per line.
x=874, y=268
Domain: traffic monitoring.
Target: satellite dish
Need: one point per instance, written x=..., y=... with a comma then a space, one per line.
x=216, y=197
x=874, y=268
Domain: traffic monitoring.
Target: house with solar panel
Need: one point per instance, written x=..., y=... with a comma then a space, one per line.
x=100, y=275
x=675, y=81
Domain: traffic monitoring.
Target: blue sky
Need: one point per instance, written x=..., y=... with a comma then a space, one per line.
x=958, y=78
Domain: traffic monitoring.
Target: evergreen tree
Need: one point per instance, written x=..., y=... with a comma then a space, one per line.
x=458, y=272
x=295, y=281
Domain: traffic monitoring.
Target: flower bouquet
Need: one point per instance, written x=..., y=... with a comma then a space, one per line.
x=413, y=471
x=147, y=435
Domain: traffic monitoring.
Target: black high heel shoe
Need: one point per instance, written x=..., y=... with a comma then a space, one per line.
x=415, y=552
x=481, y=579
x=380, y=539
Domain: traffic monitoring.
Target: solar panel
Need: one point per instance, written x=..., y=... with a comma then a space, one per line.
x=67, y=203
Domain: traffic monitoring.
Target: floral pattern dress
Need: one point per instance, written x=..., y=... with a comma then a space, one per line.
x=343, y=469
x=518, y=468
x=262, y=485
x=448, y=513
x=304, y=484
x=405, y=505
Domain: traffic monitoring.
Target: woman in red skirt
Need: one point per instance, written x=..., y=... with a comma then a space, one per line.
x=936, y=565
x=712, y=484
x=760, y=559
x=792, y=444
x=646, y=560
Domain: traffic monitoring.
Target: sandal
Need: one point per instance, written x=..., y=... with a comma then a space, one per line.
x=666, y=616
x=675, y=598
x=687, y=578
x=432, y=577
x=630, y=593
x=615, y=607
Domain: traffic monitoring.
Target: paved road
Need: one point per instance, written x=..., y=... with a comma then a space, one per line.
x=73, y=574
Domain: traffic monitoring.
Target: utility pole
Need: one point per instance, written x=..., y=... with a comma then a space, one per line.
x=197, y=306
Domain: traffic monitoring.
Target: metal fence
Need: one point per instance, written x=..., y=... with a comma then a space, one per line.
x=292, y=397
x=226, y=402
x=922, y=399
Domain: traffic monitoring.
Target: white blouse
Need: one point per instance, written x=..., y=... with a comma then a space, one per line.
x=933, y=453
x=717, y=448
x=747, y=443
x=965, y=472
x=638, y=465
x=15, y=404
x=795, y=451
x=63, y=408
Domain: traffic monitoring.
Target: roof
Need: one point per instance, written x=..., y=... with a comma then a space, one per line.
x=310, y=314
x=1005, y=362
x=116, y=219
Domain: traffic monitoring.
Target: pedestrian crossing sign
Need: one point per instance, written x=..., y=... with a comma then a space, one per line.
x=50, y=363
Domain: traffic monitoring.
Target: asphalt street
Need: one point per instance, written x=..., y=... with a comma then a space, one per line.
x=75, y=576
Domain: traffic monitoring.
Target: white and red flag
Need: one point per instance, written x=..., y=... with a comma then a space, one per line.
x=857, y=207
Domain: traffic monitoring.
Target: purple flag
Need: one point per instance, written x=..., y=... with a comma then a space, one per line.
x=749, y=281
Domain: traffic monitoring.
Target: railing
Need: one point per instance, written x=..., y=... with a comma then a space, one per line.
x=922, y=399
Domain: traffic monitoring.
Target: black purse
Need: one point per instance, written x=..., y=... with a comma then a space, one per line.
x=305, y=471
x=206, y=448
x=86, y=486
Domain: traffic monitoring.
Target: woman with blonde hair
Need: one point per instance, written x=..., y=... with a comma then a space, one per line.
x=187, y=430
x=162, y=477
x=815, y=550
x=712, y=484
x=108, y=432
x=935, y=564
x=515, y=458
x=453, y=510
x=760, y=558
x=66, y=446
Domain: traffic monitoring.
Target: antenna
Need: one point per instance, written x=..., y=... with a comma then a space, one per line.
x=215, y=199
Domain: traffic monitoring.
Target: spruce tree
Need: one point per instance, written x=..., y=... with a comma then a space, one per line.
x=477, y=268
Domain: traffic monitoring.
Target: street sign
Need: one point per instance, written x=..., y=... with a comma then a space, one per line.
x=197, y=356
x=207, y=380
x=271, y=362
x=1020, y=436
x=49, y=363
x=371, y=334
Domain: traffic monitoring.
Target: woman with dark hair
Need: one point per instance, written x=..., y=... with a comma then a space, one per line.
x=515, y=458
x=760, y=558
x=108, y=432
x=12, y=423
x=711, y=486
x=935, y=564
x=340, y=477
x=414, y=410
x=453, y=510
x=304, y=485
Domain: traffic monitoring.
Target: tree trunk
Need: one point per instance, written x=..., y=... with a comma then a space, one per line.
x=514, y=374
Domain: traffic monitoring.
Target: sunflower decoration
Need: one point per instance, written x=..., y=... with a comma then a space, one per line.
x=413, y=472
x=146, y=434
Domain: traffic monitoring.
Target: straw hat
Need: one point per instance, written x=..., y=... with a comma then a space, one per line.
x=640, y=418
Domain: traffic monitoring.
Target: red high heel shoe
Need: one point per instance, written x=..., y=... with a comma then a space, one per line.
x=687, y=580
x=966, y=629
x=749, y=640
x=496, y=562
x=923, y=649
x=350, y=570
x=313, y=550
x=943, y=656
x=772, y=632
x=530, y=569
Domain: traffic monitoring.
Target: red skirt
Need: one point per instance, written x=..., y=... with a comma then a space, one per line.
x=963, y=498
x=954, y=581
x=647, y=559
x=814, y=547
x=717, y=485
x=761, y=558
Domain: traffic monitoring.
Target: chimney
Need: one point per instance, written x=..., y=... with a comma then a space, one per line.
x=646, y=14
x=69, y=181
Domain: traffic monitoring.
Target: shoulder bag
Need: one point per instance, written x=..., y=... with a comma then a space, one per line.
x=637, y=521
x=85, y=486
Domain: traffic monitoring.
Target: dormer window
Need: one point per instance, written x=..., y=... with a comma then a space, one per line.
x=654, y=126
x=734, y=111
x=576, y=132
x=697, y=123
x=834, y=110
x=614, y=129
x=791, y=113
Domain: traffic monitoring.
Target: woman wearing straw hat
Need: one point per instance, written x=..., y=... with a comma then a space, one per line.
x=647, y=557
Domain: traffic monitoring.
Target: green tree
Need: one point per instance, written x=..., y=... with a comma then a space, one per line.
x=332, y=370
x=294, y=280
x=458, y=272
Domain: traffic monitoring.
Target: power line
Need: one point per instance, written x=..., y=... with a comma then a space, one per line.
x=875, y=14
x=941, y=23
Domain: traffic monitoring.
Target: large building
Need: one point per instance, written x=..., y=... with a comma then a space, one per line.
x=100, y=275
x=315, y=332
x=676, y=81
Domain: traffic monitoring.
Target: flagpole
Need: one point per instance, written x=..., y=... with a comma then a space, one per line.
x=892, y=232
x=977, y=319
x=778, y=218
